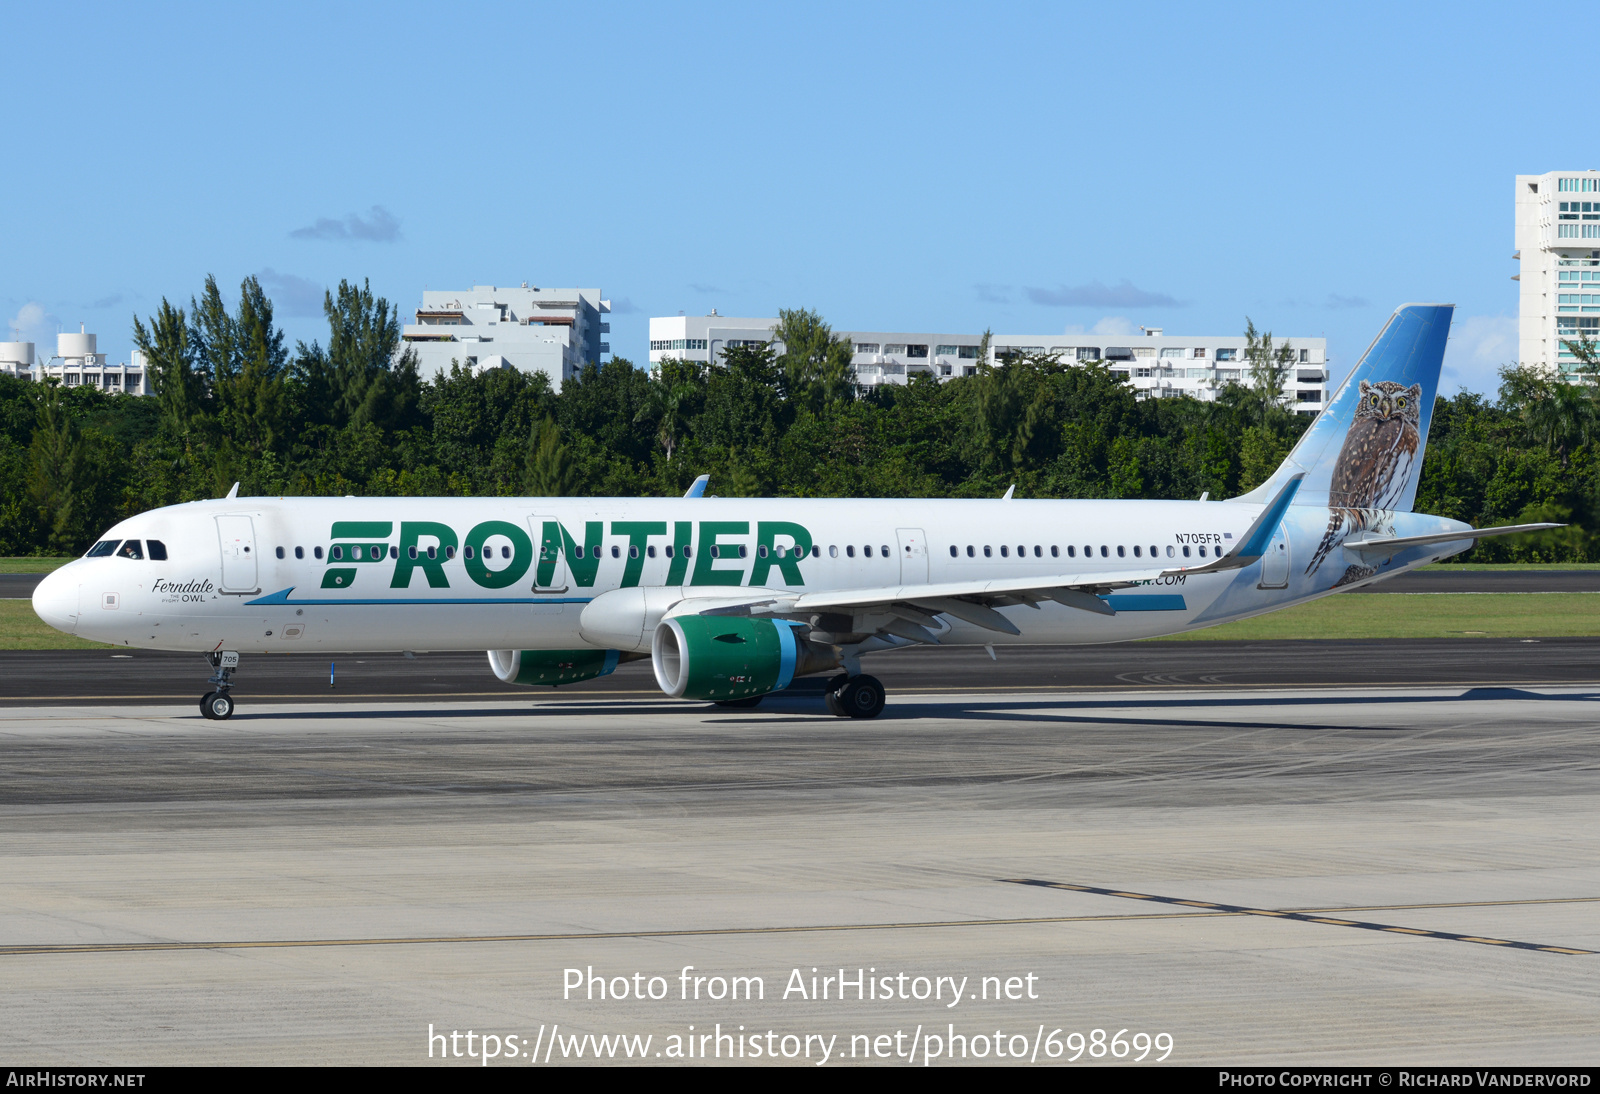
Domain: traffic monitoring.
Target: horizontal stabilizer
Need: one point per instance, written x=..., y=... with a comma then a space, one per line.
x=1388, y=545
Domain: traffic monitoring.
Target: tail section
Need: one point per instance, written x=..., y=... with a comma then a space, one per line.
x=1363, y=454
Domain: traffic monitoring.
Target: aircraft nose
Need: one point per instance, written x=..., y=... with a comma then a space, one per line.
x=55, y=600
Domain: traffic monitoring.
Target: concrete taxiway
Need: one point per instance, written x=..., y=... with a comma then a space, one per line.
x=320, y=883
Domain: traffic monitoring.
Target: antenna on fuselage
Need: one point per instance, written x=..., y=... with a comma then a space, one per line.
x=233, y=493
x=1009, y=491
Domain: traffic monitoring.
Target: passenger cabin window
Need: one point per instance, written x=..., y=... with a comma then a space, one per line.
x=336, y=554
x=952, y=550
x=651, y=550
x=131, y=549
x=1072, y=552
x=850, y=550
x=1137, y=550
x=394, y=552
x=1005, y=552
x=449, y=552
x=970, y=551
x=816, y=552
x=987, y=551
x=103, y=548
x=885, y=550
x=317, y=551
x=1104, y=551
x=867, y=550
x=299, y=552
x=833, y=552
x=1202, y=551
x=1186, y=551
x=1169, y=552
x=158, y=550
x=1122, y=552
x=279, y=552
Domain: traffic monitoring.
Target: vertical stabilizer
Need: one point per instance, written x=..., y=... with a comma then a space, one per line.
x=1365, y=449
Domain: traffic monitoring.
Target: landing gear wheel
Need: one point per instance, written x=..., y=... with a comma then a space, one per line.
x=217, y=705
x=830, y=698
x=748, y=701
x=862, y=697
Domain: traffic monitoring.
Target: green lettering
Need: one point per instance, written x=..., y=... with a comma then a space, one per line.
x=477, y=562
x=583, y=568
x=412, y=531
x=682, y=531
x=789, y=564
x=638, y=533
x=704, y=574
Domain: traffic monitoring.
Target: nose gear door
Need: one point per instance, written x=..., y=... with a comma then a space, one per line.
x=237, y=537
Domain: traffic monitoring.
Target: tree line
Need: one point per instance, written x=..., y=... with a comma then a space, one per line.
x=352, y=416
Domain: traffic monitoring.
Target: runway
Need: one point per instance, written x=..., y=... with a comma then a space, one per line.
x=1356, y=874
x=32, y=677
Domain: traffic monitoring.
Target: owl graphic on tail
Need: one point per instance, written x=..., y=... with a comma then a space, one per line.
x=1375, y=463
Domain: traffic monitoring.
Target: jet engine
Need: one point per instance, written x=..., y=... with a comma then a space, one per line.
x=553, y=667
x=732, y=657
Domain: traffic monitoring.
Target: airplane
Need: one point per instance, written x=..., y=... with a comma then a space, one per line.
x=733, y=598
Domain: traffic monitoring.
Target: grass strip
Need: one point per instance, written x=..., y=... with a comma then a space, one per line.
x=1422, y=615
x=20, y=629
x=29, y=565
x=1397, y=615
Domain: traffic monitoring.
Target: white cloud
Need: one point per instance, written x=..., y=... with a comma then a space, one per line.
x=33, y=324
x=1478, y=346
x=1111, y=324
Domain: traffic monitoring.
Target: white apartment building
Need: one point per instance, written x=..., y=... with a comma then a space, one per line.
x=553, y=331
x=76, y=362
x=1558, y=244
x=1158, y=365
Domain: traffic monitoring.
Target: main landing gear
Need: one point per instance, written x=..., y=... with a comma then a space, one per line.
x=854, y=696
x=218, y=705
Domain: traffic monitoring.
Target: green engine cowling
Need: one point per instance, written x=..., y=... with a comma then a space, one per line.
x=551, y=668
x=730, y=657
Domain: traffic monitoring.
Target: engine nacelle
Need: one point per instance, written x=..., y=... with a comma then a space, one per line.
x=731, y=657
x=551, y=668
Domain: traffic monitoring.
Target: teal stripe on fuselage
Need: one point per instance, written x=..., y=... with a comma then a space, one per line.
x=282, y=597
x=1145, y=602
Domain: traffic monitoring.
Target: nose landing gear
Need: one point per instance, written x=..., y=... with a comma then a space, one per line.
x=218, y=705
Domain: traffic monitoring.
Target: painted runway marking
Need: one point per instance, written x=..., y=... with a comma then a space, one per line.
x=1307, y=917
x=1212, y=911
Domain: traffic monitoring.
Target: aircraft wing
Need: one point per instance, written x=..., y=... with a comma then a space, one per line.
x=908, y=611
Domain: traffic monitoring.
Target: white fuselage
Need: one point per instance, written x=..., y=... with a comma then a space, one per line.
x=338, y=574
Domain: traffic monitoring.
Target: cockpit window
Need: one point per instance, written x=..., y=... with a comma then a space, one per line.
x=103, y=548
x=158, y=550
x=131, y=549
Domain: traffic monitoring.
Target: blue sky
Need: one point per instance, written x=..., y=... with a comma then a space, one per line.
x=1030, y=168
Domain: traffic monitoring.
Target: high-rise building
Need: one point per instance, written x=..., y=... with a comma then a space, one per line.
x=553, y=331
x=1157, y=364
x=1558, y=244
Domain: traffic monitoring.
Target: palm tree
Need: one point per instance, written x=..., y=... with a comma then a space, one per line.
x=668, y=403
